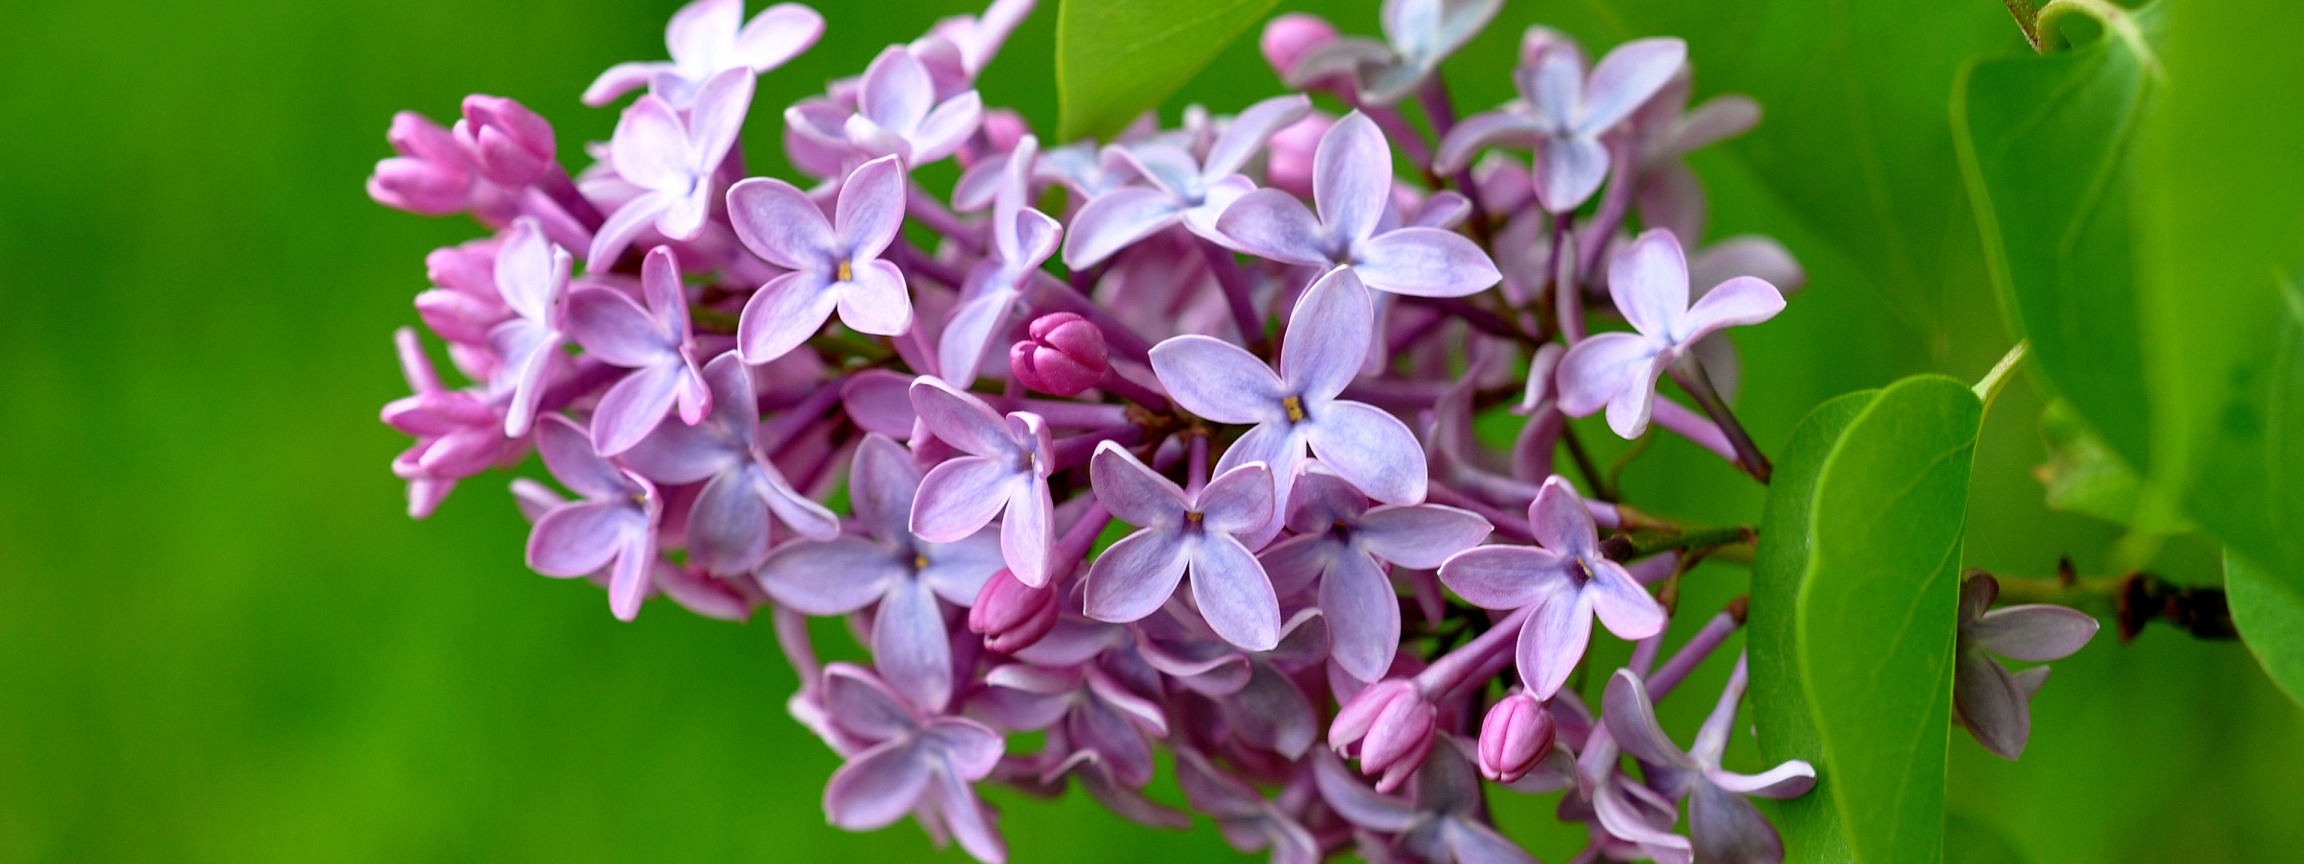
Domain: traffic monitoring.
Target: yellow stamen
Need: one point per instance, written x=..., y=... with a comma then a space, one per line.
x=1295, y=408
x=919, y=562
x=847, y=273
x=1192, y=517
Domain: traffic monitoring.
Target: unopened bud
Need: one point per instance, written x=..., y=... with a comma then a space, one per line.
x=1515, y=736
x=1011, y=614
x=1065, y=355
x=1289, y=37
x=510, y=144
x=1391, y=723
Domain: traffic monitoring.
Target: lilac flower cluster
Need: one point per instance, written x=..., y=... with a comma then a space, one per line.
x=1276, y=396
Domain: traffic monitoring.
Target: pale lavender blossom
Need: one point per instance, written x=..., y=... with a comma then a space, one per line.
x=904, y=760
x=1022, y=238
x=1567, y=579
x=1348, y=547
x=1106, y=705
x=1351, y=184
x=1297, y=408
x=613, y=526
x=653, y=341
x=1649, y=281
x=1992, y=702
x=727, y=526
x=835, y=263
x=532, y=277
x=1722, y=825
x=1178, y=532
x=1004, y=474
x=671, y=159
x=1563, y=115
x=1443, y=820
x=1418, y=34
x=706, y=38
x=1187, y=190
x=896, y=112
x=973, y=40
x=903, y=573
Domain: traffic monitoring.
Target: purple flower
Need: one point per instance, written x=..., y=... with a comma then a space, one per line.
x=509, y=144
x=835, y=263
x=897, y=113
x=430, y=177
x=1994, y=703
x=1444, y=820
x=653, y=342
x=1418, y=34
x=1064, y=356
x=1347, y=546
x=458, y=433
x=1187, y=190
x=1005, y=472
x=903, y=760
x=672, y=162
x=706, y=38
x=974, y=40
x=532, y=276
x=727, y=526
x=615, y=523
x=1389, y=727
x=890, y=565
x=1105, y=705
x=1022, y=238
x=1250, y=822
x=1351, y=183
x=1649, y=281
x=1563, y=116
x=1724, y=826
x=1178, y=532
x=1327, y=337
x=1568, y=578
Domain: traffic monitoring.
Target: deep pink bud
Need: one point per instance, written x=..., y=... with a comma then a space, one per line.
x=509, y=144
x=1011, y=614
x=429, y=177
x=1289, y=37
x=1392, y=724
x=1065, y=355
x=1288, y=167
x=1515, y=735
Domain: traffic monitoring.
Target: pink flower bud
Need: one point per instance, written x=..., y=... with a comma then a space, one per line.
x=1001, y=130
x=1011, y=614
x=1289, y=166
x=429, y=177
x=1392, y=724
x=1289, y=37
x=1065, y=355
x=510, y=144
x=1515, y=735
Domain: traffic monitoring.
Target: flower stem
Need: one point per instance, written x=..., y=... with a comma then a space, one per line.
x=1463, y=664
x=1698, y=647
x=923, y=208
x=1127, y=388
x=1567, y=296
x=1690, y=375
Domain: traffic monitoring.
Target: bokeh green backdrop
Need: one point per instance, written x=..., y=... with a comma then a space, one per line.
x=221, y=640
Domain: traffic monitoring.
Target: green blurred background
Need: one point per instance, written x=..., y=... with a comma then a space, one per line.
x=222, y=640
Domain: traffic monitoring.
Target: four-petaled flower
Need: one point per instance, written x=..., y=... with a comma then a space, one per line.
x=1563, y=116
x=1994, y=703
x=671, y=161
x=1649, y=281
x=897, y=114
x=1005, y=472
x=614, y=524
x=653, y=342
x=706, y=38
x=904, y=573
x=835, y=263
x=1326, y=340
x=532, y=275
x=1178, y=532
x=1418, y=34
x=1188, y=190
x=1351, y=185
x=1724, y=826
x=904, y=760
x=1569, y=578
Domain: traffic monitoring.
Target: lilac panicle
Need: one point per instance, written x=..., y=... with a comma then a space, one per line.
x=1993, y=703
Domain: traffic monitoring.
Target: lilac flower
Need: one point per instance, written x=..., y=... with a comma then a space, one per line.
x=1649, y=281
x=430, y=176
x=1105, y=705
x=705, y=39
x=1418, y=35
x=1563, y=115
x=532, y=276
x=1724, y=826
x=727, y=526
x=1327, y=337
x=1568, y=579
x=1250, y=822
x=1389, y=726
x=908, y=761
x=1178, y=532
x=507, y=143
x=1444, y=820
x=653, y=341
x=1022, y=238
x=458, y=433
x=1064, y=356
x=615, y=524
x=890, y=565
x=974, y=40
x=835, y=263
x=1515, y=736
x=1185, y=190
x=1351, y=182
x=672, y=162
x=1005, y=472
x=897, y=113
x=1347, y=546
x=1994, y=703
x=1669, y=194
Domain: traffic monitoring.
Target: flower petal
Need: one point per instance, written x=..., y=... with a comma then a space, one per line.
x=614, y=328
x=1351, y=177
x=870, y=209
x=1238, y=501
x=1425, y=262
x=1249, y=130
x=1234, y=594
x=896, y=91
x=650, y=146
x=1134, y=577
x=1621, y=603
x=1649, y=282
x=633, y=407
x=942, y=132
x=1028, y=531
x=728, y=525
x=910, y=647
x=1503, y=577
x=1625, y=78
x=1218, y=380
x=877, y=787
x=960, y=496
x=568, y=454
x=716, y=117
x=862, y=705
x=1420, y=536
x=780, y=224
x=1988, y=700
x=2033, y=633
x=1553, y=641
x=957, y=571
x=1116, y=220
x=1363, y=615
x=1501, y=128
x=783, y=314
x=1739, y=301
x=875, y=302
x=1568, y=170
x=1135, y=494
x=1358, y=804
x=1272, y=224
x=1369, y=447
x=1328, y=335
x=1789, y=780
x=1599, y=368
x=1722, y=826
x=777, y=34
x=579, y=538
x=962, y=420
x=1631, y=718
x=830, y=577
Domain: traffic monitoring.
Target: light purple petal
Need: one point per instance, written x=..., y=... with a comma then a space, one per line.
x=875, y=301
x=960, y=496
x=960, y=419
x=568, y=454
x=1739, y=301
x=1425, y=262
x=956, y=571
x=1322, y=499
x=1028, y=531
x=1363, y=615
x=1359, y=804
x=633, y=407
x=631, y=218
x=1371, y=448
x=1328, y=336
x=1116, y=220
x=1553, y=641
x=1621, y=603
x=880, y=401
x=881, y=482
x=1351, y=177
x=946, y=128
x=1631, y=718
x=776, y=35
x=896, y=91
x=783, y=314
x=1600, y=367
x=1630, y=410
x=2033, y=633
x=910, y=647
x=1218, y=380
x=650, y=146
x=870, y=209
x=1280, y=446
x=1131, y=579
x=1295, y=562
x=1238, y=501
x=778, y=223
x=1991, y=703
x=877, y=787
x=700, y=29
x=1470, y=842
x=1272, y=224
x=1568, y=171
x=614, y=328
x=960, y=349
x=1625, y=78
x=799, y=512
x=579, y=538
x=1249, y=130
x=831, y=577
x=1135, y=494
x=1421, y=536
x=970, y=822
x=728, y=524
x=620, y=79
x=1272, y=714
x=1558, y=519
x=1234, y=594
x=1649, y=282
x=1503, y=577
x=716, y=117
x=862, y=705
x=1483, y=130
x=1789, y=780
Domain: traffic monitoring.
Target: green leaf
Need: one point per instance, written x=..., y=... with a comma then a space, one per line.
x=1810, y=824
x=1970, y=840
x=1117, y=58
x=2270, y=616
x=1862, y=536
x=2046, y=145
